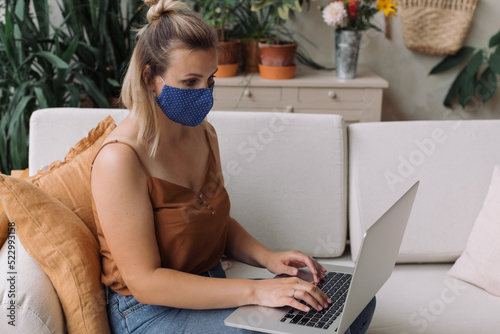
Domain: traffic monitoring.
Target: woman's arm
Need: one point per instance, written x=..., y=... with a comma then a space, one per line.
x=241, y=246
x=122, y=202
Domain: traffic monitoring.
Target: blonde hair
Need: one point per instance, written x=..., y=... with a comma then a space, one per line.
x=171, y=26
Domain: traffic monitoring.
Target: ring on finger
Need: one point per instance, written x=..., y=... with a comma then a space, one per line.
x=293, y=294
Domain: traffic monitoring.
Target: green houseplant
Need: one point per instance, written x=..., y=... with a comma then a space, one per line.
x=478, y=78
x=250, y=27
x=37, y=72
x=220, y=15
x=277, y=56
x=105, y=31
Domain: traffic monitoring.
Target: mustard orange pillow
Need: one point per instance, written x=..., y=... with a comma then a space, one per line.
x=69, y=180
x=64, y=247
x=4, y=221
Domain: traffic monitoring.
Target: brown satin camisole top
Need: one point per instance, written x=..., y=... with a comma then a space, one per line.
x=191, y=226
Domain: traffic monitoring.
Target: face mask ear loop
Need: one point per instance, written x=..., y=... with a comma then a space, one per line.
x=154, y=94
x=162, y=80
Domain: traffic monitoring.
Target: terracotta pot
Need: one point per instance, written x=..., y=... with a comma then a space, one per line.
x=86, y=101
x=277, y=61
x=228, y=58
x=227, y=70
x=251, y=56
x=277, y=72
x=282, y=54
x=115, y=102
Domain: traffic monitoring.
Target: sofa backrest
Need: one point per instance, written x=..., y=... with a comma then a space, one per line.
x=286, y=174
x=54, y=131
x=454, y=162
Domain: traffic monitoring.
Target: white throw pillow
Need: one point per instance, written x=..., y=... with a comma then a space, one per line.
x=480, y=262
x=36, y=307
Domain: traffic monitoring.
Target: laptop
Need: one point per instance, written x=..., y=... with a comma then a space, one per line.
x=351, y=289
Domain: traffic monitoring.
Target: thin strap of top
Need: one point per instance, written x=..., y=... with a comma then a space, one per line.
x=133, y=149
x=137, y=154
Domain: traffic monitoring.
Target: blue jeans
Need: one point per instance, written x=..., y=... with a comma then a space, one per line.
x=127, y=315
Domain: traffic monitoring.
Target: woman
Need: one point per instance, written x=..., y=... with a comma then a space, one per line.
x=161, y=207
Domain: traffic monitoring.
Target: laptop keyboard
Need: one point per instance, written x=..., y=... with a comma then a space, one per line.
x=335, y=286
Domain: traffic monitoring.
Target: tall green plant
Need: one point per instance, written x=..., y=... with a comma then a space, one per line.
x=36, y=72
x=219, y=14
x=107, y=40
x=250, y=24
x=477, y=78
x=280, y=10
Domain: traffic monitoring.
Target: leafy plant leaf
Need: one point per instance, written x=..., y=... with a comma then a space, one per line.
x=53, y=59
x=487, y=84
x=454, y=89
x=475, y=63
x=113, y=82
x=468, y=91
x=494, y=40
x=453, y=60
x=42, y=101
x=494, y=62
x=70, y=51
x=93, y=92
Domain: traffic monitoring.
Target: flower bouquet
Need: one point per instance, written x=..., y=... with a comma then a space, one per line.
x=349, y=18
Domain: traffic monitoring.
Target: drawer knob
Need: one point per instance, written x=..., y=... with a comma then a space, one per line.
x=332, y=94
x=247, y=93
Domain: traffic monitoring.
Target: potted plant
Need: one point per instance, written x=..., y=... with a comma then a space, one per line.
x=38, y=71
x=250, y=27
x=277, y=56
x=104, y=28
x=350, y=18
x=219, y=14
x=478, y=78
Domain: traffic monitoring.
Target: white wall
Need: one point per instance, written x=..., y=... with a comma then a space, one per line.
x=412, y=93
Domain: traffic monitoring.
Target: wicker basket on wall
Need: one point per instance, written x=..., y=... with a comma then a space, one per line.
x=436, y=27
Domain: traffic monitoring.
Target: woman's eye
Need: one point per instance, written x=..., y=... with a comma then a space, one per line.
x=211, y=80
x=190, y=83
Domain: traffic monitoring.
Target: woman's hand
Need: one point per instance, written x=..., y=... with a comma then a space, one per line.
x=288, y=291
x=289, y=262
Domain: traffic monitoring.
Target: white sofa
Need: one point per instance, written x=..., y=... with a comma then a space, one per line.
x=308, y=182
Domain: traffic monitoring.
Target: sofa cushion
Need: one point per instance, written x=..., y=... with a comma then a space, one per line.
x=65, y=248
x=480, y=262
x=453, y=161
x=69, y=180
x=422, y=298
x=54, y=131
x=286, y=177
x=37, y=308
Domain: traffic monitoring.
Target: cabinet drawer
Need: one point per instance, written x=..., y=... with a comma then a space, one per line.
x=247, y=94
x=307, y=94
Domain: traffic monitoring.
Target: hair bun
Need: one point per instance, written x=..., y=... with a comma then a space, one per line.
x=157, y=8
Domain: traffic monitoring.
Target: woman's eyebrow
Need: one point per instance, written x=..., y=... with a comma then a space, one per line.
x=194, y=75
x=199, y=75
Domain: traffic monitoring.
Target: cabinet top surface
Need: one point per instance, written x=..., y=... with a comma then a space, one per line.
x=307, y=77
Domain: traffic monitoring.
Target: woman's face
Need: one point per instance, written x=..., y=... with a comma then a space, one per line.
x=189, y=69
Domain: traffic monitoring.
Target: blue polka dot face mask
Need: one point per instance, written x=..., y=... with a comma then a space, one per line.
x=185, y=106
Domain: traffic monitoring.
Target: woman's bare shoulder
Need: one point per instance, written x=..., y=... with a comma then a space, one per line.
x=117, y=156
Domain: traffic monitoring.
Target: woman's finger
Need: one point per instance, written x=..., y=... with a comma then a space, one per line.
x=298, y=305
x=302, y=295
x=312, y=295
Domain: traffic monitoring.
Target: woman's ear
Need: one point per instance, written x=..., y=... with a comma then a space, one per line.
x=146, y=74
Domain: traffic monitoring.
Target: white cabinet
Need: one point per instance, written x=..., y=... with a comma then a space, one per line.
x=311, y=91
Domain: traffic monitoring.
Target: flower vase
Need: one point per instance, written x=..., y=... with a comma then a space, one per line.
x=346, y=53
